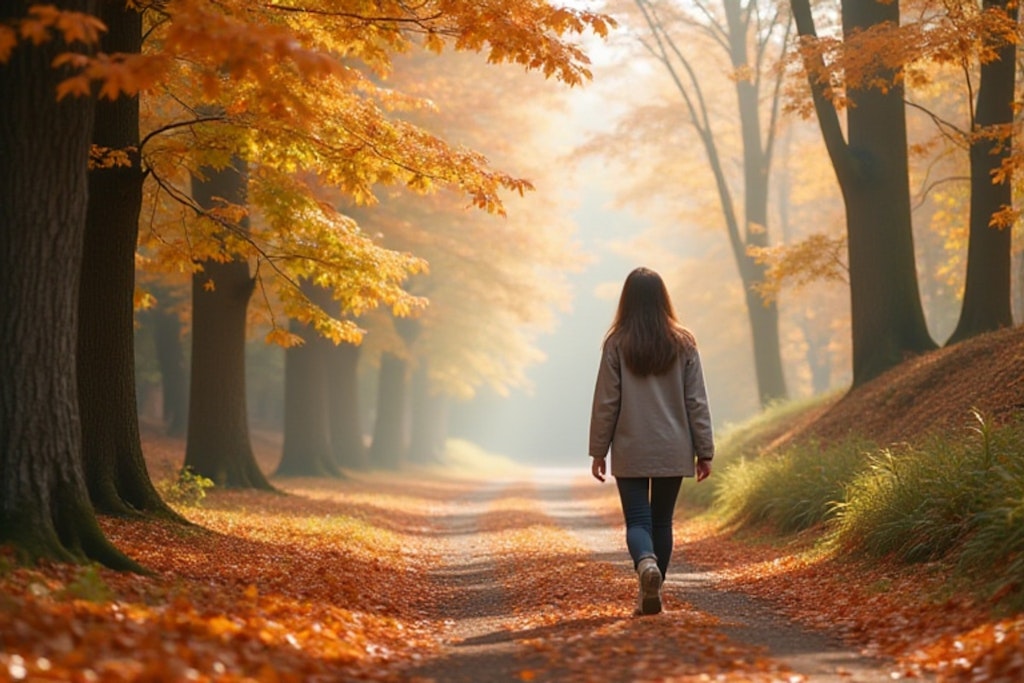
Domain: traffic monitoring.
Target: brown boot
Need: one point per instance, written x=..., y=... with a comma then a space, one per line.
x=650, y=586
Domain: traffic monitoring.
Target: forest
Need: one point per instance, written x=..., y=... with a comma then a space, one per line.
x=266, y=267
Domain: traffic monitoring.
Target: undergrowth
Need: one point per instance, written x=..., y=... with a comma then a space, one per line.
x=746, y=441
x=957, y=499
x=188, y=489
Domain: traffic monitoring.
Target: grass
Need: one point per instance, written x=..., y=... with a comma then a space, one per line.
x=746, y=441
x=792, y=490
x=957, y=500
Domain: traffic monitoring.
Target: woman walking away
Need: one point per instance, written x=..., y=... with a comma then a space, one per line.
x=651, y=409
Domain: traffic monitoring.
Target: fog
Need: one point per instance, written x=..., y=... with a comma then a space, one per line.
x=549, y=422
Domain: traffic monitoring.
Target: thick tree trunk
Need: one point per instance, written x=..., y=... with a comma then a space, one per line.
x=307, y=445
x=170, y=355
x=346, y=427
x=218, y=445
x=887, y=319
x=391, y=427
x=115, y=470
x=987, y=295
x=44, y=151
x=427, y=416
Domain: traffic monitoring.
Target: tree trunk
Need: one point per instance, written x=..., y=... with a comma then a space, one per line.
x=218, y=445
x=987, y=295
x=427, y=416
x=307, y=445
x=887, y=319
x=757, y=156
x=115, y=470
x=343, y=406
x=44, y=151
x=170, y=355
x=390, y=429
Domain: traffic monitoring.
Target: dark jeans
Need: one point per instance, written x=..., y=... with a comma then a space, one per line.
x=648, y=504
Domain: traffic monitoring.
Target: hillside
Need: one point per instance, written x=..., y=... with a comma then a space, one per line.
x=933, y=392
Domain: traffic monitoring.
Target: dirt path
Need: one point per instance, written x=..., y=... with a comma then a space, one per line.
x=478, y=646
x=537, y=586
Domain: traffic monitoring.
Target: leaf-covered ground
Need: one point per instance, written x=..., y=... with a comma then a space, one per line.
x=414, y=577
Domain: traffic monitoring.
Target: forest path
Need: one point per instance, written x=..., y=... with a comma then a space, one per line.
x=536, y=585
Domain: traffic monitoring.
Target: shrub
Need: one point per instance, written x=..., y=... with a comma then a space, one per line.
x=188, y=489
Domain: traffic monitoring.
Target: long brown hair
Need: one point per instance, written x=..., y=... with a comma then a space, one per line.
x=645, y=326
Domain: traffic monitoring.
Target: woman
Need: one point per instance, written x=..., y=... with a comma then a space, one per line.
x=651, y=409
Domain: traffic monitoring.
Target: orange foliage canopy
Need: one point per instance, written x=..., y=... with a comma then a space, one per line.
x=295, y=89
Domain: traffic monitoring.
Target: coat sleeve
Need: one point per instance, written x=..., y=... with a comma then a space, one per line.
x=604, y=413
x=697, y=410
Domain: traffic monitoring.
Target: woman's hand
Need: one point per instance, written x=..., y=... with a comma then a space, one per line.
x=598, y=468
x=703, y=469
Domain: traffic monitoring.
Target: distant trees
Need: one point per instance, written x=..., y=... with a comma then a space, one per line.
x=264, y=70
x=753, y=35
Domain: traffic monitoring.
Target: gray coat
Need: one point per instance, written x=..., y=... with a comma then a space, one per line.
x=654, y=425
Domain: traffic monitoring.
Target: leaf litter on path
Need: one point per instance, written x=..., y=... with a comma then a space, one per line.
x=411, y=576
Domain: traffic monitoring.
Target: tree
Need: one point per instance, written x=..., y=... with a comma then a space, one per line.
x=749, y=32
x=870, y=163
x=494, y=281
x=164, y=320
x=44, y=159
x=307, y=435
x=115, y=470
x=218, y=445
x=986, y=299
x=329, y=119
x=391, y=426
x=343, y=416
x=428, y=417
x=44, y=504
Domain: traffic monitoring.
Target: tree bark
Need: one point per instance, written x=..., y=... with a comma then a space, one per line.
x=307, y=439
x=218, y=445
x=987, y=294
x=115, y=470
x=887, y=318
x=391, y=427
x=44, y=151
x=346, y=427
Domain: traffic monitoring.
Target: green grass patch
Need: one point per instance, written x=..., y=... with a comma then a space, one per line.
x=789, y=491
x=745, y=441
x=956, y=500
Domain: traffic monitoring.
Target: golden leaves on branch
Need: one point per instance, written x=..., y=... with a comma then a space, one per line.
x=816, y=258
x=886, y=55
